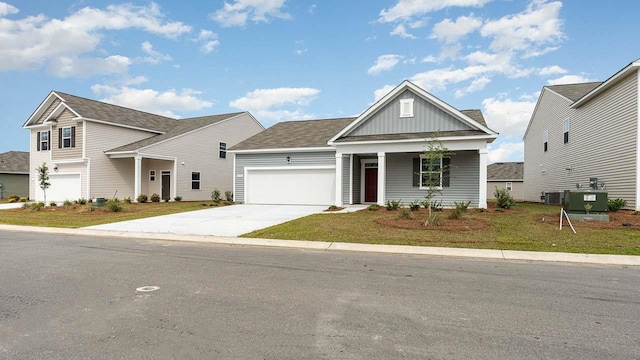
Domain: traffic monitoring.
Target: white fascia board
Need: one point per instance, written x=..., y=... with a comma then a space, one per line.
x=503, y=180
x=121, y=154
x=133, y=154
x=158, y=157
x=119, y=125
x=544, y=89
x=39, y=126
x=282, y=150
x=74, y=161
x=318, y=167
x=43, y=106
x=422, y=140
x=410, y=147
x=58, y=110
x=607, y=83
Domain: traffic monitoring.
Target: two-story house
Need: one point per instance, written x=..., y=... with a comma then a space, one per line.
x=94, y=149
x=583, y=131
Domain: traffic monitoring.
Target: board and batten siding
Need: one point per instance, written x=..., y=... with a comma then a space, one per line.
x=602, y=143
x=427, y=118
x=298, y=159
x=356, y=179
x=198, y=151
x=66, y=120
x=464, y=179
x=111, y=175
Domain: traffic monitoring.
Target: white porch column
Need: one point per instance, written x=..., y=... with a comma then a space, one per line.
x=382, y=180
x=338, y=179
x=137, y=189
x=482, y=193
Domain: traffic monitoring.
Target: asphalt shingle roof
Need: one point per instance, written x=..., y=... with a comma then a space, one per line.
x=97, y=110
x=180, y=127
x=574, y=92
x=295, y=134
x=505, y=171
x=14, y=162
x=476, y=115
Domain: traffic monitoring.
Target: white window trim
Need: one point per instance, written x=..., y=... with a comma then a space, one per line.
x=509, y=185
x=66, y=137
x=199, y=181
x=44, y=142
x=422, y=187
x=152, y=175
x=406, y=104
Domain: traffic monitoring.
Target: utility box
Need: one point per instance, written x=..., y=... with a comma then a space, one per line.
x=585, y=201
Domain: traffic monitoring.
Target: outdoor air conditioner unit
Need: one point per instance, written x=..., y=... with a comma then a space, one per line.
x=553, y=198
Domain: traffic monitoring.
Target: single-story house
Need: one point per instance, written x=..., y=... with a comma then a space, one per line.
x=99, y=150
x=506, y=175
x=369, y=159
x=14, y=174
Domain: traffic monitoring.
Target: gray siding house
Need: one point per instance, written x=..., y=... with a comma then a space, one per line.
x=506, y=175
x=583, y=131
x=368, y=159
x=94, y=149
x=14, y=174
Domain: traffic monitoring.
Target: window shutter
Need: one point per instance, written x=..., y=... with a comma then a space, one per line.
x=416, y=172
x=38, y=140
x=59, y=138
x=49, y=140
x=446, y=173
x=73, y=136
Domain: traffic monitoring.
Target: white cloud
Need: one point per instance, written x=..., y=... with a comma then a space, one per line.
x=380, y=93
x=451, y=31
x=84, y=67
x=430, y=59
x=500, y=151
x=385, y=63
x=508, y=117
x=530, y=31
x=277, y=104
x=401, y=31
x=569, y=79
x=239, y=11
x=7, y=9
x=163, y=103
x=209, y=41
x=154, y=56
x=476, y=85
x=551, y=70
x=33, y=41
x=407, y=9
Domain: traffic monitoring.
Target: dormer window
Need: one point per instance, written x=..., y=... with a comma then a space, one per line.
x=406, y=108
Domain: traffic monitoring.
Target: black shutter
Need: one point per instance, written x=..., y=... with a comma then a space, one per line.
x=446, y=173
x=49, y=140
x=38, y=140
x=73, y=136
x=416, y=172
x=59, y=138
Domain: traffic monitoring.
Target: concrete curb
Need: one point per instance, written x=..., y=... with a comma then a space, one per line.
x=512, y=255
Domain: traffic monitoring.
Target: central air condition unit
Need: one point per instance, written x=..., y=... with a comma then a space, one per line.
x=553, y=198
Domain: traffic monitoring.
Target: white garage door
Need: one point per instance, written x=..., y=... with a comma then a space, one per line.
x=63, y=187
x=291, y=186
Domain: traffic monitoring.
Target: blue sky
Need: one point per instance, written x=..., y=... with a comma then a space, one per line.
x=289, y=60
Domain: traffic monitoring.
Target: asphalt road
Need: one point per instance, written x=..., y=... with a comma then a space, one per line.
x=70, y=297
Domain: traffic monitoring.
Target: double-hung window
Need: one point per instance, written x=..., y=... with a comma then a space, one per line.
x=545, y=140
x=509, y=186
x=195, y=181
x=152, y=175
x=223, y=150
x=43, y=141
x=431, y=172
x=66, y=137
x=565, y=127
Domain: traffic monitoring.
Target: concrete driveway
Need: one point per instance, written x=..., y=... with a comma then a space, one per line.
x=232, y=220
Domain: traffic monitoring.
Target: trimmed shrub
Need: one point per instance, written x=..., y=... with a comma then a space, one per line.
x=113, y=205
x=178, y=198
x=414, y=205
x=142, y=198
x=504, y=200
x=373, y=207
x=228, y=195
x=166, y=198
x=215, y=196
x=616, y=204
x=459, y=210
x=404, y=213
x=155, y=197
x=435, y=205
x=393, y=204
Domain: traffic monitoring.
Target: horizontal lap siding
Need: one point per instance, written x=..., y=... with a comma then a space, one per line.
x=36, y=158
x=277, y=160
x=17, y=184
x=48, y=111
x=464, y=179
x=66, y=120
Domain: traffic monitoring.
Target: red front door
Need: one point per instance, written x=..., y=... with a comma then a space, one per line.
x=371, y=185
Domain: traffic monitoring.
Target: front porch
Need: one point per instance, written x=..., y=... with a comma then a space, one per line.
x=147, y=174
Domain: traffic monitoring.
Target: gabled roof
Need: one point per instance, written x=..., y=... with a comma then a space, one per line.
x=181, y=127
x=574, y=92
x=633, y=66
x=476, y=115
x=14, y=162
x=295, y=134
x=505, y=171
x=408, y=85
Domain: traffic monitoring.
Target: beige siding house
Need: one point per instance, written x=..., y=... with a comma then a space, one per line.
x=95, y=150
x=583, y=131
x=506, y=175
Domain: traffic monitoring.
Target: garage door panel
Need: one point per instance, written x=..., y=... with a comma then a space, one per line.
x=63, y=187
x=290, y=186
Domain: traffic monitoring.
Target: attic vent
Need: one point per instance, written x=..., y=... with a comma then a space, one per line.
x=406, y=108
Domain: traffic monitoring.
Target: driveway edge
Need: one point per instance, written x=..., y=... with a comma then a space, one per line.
x=512, y=255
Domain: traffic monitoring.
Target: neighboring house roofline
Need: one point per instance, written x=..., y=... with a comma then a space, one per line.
x=119, y=125
x=633, y=66
x=14, y=162
x=406, y=84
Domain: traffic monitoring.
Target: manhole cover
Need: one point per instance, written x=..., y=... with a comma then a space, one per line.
x=147, y=288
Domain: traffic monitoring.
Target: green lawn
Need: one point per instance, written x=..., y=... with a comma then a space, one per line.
x=519, y=229
x=80, y=216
